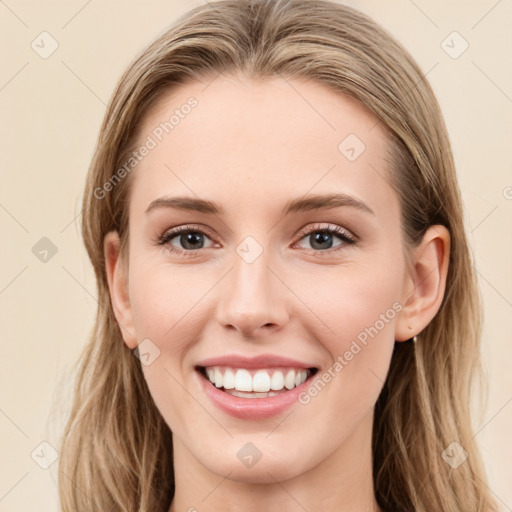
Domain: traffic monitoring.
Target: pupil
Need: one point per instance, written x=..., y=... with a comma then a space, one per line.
x=190, y=238
x=320, y=238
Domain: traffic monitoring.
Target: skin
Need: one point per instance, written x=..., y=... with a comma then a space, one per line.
x=251, y=146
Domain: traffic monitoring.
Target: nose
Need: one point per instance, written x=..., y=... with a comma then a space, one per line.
x=252, y=298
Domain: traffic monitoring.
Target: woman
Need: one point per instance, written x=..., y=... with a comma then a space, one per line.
x=288, y=314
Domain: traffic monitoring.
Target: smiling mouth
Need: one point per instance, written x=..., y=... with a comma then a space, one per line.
x=255, y=383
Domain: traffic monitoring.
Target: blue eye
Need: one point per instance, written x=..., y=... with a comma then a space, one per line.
x=191, y=239
x=321, y=236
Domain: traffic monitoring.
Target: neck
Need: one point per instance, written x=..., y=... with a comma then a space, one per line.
x=341, y=482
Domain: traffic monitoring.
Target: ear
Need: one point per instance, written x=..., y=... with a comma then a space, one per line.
x=116, y=270
x=425, y=283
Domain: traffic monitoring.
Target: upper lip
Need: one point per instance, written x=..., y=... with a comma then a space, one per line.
x=260, y=361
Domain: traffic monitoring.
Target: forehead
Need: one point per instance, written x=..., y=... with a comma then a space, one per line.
x=237, y=138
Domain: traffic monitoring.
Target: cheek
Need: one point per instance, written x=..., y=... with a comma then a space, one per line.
x=166, y=310
x=356, y=312
x=350, y=300
x=165, y=298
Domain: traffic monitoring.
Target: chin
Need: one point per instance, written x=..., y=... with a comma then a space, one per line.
x=258, y=459
x=262, y=472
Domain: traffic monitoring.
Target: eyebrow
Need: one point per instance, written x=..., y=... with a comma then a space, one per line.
x=305, y=203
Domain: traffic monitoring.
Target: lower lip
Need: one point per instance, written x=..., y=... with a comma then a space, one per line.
x=252, y=408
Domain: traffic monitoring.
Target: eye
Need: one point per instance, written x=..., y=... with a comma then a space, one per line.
x=188, y=239
x=321, y=238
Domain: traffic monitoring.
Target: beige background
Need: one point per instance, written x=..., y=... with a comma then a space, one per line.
x=51, y=110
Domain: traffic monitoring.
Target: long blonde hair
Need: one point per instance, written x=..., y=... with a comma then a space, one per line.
x=116, y=451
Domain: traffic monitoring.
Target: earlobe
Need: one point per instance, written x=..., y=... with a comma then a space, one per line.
x=426, y=283
x=118, y=287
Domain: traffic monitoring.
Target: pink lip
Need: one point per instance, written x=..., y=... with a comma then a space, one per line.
x=261, y=361
x=252, y=408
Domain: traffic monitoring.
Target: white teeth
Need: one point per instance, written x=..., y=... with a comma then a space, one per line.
x=277, y=381
x=243, y=394
x=243, y=380
x=260, y=383
x=289, y=380
x=301, y=377
x=229, y=379
x=218, y=378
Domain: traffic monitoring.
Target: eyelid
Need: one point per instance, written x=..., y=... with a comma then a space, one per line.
x=188, y=227
x=333, y=228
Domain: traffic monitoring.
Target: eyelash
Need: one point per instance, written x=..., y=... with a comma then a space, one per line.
x=346, y=237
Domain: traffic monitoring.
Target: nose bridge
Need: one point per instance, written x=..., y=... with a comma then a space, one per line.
x=252, y=296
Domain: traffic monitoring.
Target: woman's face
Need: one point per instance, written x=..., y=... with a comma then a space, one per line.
x=254, y=276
